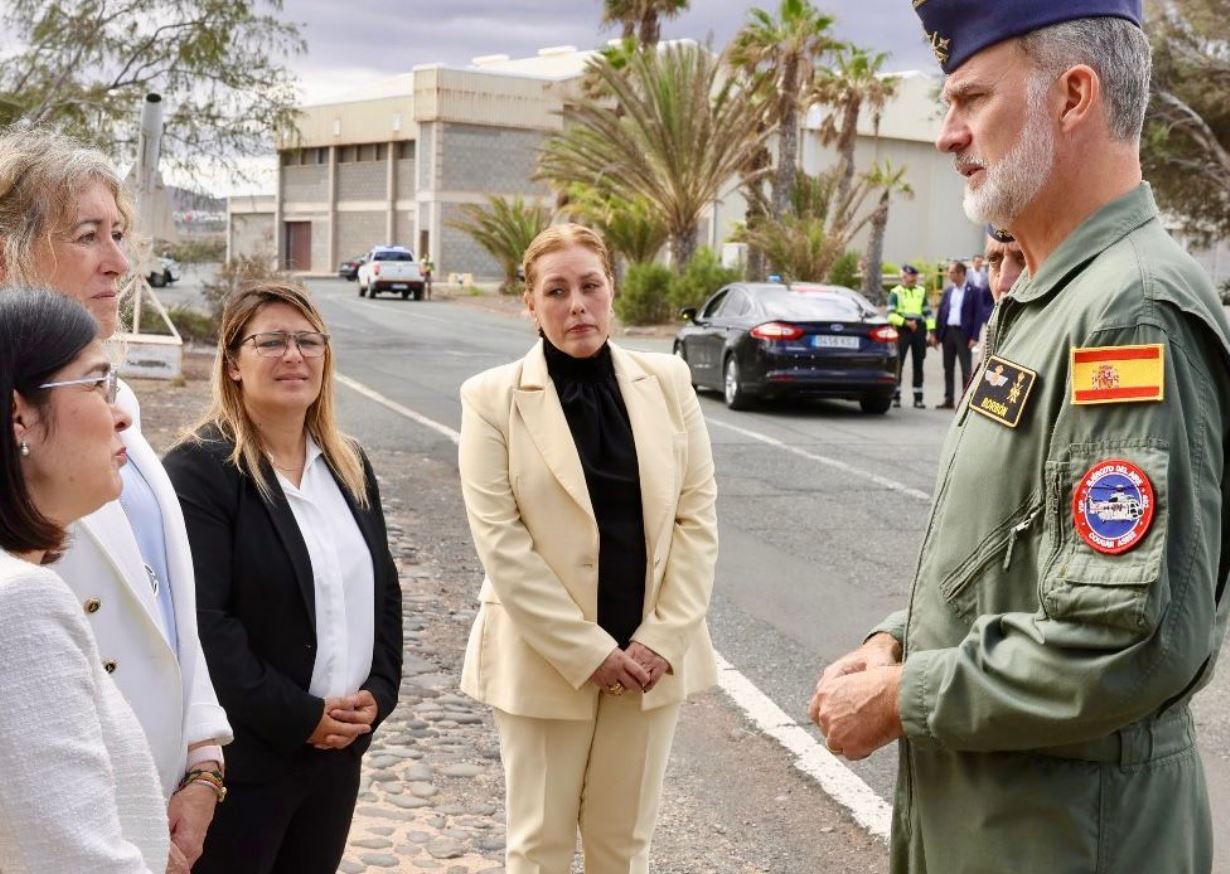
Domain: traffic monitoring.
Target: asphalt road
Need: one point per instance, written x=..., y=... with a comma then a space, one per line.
x=821, y=507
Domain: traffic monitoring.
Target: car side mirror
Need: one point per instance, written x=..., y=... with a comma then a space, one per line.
x=688, y=314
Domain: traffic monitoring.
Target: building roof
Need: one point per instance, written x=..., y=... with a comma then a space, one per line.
x=401, y=85
x=558, y=63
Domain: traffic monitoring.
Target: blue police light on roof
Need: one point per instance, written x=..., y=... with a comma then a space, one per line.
x=775, y=277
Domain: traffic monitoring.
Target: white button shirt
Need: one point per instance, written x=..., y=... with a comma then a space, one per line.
x=955, y=302
x=343, y=578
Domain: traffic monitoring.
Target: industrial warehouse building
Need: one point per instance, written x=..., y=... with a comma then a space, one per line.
x=395, y=163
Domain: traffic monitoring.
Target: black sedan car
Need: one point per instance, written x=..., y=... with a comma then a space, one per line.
x=349, y=269
x=767, y=340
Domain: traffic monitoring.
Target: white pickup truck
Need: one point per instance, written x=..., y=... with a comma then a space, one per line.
x=390, y=268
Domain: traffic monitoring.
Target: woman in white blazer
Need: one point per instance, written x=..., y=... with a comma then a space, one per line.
x=588, y=481
x=63, y=218
x=80, y=792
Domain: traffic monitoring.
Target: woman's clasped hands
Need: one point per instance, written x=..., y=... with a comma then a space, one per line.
x=637, y=668
x=345, y=719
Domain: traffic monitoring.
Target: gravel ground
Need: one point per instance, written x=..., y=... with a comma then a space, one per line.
x=431, y=797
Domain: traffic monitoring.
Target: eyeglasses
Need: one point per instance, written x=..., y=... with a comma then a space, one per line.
x=110, y=383
x=311, y=344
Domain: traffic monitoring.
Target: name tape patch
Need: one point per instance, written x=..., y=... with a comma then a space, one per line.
x=1002, y=391
x=1112, y=506
x=1118, y=374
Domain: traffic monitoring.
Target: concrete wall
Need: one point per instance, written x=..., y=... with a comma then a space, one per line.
x=320, y=247
x=388, y=117
x=362, y=180
x=308, y=183
x=458, y=252
x=251, y=235
x=490, y=160
x=359, y=231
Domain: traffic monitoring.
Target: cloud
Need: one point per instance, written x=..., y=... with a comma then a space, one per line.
x=369, y=39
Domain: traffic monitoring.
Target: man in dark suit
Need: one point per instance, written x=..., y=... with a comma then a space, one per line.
x=963, y=308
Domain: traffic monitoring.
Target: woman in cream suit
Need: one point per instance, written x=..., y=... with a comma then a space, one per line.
x=588, y=480
x=63, y=219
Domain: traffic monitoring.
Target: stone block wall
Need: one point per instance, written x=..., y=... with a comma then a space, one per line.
x=406, y=232
x=407, y=183
x=426, y=154
x=359, y=231
x=490, y=160
x=309, y=184
x=459, y=253
x=362, y=180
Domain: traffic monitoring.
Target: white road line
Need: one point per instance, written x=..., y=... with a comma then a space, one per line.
x=840, y=783
x=393, y=405
x=882, y=481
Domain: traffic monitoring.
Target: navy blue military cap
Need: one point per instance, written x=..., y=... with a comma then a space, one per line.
x=960, y=29
x=911, y=269
x=999, y=234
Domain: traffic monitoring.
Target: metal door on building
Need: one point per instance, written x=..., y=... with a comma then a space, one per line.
x=298, y=245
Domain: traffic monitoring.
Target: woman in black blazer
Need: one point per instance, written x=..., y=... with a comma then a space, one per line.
x=298, y=600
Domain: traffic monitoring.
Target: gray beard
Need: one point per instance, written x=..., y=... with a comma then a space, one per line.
x=1011, y=183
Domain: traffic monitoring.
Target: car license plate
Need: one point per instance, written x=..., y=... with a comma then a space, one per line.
x=398, y=286
x=828, y=341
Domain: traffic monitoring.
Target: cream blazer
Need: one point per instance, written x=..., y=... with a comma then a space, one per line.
x=536, y=640
x=170, y=692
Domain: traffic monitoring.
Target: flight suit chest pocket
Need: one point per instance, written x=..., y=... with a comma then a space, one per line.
x=982, y=582
x=1107, y=526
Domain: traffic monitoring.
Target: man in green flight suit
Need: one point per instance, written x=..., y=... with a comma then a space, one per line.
x=1070, y=595
x=910, y=314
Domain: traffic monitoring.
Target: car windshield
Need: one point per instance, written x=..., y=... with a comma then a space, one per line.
x=816, y=306
x=394, y=255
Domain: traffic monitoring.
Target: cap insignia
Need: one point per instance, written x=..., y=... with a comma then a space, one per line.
x=939, y=45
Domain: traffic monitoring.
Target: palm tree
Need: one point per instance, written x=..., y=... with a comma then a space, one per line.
x=641, y=18
x=805, y=242
x=889, y=180
x=788, y=47
x=685, y=131
x=759, y=165
x=853, y=83
x=633, y=230
x=505, y=228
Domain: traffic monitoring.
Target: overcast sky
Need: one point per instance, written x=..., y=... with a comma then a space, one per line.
x=350, y=42
x=356, y=40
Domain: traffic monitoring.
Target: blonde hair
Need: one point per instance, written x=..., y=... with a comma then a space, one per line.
x=42, y=174
x=228, y=414
x=557, y=238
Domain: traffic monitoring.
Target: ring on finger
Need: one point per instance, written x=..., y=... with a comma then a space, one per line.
x=616, y=688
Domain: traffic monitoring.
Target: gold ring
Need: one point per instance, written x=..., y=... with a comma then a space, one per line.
x=616, y=688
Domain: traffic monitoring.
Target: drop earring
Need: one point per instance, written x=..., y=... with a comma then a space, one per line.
x=25, y=449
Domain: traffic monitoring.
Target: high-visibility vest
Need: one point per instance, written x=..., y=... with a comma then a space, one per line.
x=906, y=302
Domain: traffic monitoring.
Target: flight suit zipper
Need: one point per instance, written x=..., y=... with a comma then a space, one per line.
x=1001, y=541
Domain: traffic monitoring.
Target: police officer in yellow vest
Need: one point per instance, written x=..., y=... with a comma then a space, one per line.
x=1071, y=594
x=910, y=314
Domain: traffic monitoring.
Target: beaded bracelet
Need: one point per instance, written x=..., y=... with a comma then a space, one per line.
x=212, y=779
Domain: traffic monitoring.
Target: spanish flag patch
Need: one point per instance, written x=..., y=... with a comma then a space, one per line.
x=1118, y=374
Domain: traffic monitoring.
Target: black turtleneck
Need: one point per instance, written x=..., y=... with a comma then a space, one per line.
x=602, y=432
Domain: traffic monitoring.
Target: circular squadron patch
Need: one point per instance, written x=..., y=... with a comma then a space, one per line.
x=1113, y=506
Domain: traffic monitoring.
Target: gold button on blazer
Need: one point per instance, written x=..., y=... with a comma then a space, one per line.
x=536, y=640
